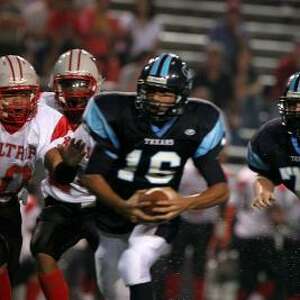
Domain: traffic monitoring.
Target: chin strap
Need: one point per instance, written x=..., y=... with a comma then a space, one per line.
x=12, y=128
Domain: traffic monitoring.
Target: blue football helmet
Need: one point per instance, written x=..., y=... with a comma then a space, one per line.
x=163, y=73
x=289, y=105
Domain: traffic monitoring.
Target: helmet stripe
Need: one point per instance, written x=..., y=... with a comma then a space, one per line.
x=297, y=84
x=155, y=66
x=166, y=66
x=20, y=67
x=79, y=59
x=11, y=68
x=70, y=60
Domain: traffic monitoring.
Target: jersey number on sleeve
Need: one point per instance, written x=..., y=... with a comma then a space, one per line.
x=288, y=172
x=157, y=173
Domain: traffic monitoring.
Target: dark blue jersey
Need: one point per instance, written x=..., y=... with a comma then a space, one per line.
x=134, y=154
x=275, y=154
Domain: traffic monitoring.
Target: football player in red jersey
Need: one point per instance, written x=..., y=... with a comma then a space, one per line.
x=26, y=130
x=74, y=80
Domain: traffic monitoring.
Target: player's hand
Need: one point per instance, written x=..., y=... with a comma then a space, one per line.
x=168, y=208
x=73, y=152
x=133, y=210
x=263, y=199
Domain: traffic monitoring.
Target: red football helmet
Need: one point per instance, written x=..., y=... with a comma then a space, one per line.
x=75, y=79
x=19, y=91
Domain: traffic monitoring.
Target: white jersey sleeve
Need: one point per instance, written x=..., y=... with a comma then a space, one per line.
x=51, y=125
x=74, y=192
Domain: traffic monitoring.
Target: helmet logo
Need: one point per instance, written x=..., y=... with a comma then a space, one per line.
x=159, y=80
x=190, y=132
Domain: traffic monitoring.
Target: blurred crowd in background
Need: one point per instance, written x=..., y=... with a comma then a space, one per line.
x=122, y=41
x=265, y=262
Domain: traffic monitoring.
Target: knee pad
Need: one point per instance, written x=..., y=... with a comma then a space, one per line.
x=145, y=247
x=134, y=268
x=136, y=262
x=4, y=251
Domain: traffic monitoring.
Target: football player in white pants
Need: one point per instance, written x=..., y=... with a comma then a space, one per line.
x=142, y=141
x=27, y=128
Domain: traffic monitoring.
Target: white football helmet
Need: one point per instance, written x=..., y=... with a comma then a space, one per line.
x=75, y=79
x=19, y=90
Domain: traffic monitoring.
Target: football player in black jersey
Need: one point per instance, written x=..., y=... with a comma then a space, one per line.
x=274, y=154
x=274, y=151
x=143, y=141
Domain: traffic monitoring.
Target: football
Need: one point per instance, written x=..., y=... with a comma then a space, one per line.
x=156, y=194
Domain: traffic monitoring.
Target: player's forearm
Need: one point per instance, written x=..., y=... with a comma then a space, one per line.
x=59, y=170
x=52, y=159
x=263, y=184
x=97, y=185
x=214, y=195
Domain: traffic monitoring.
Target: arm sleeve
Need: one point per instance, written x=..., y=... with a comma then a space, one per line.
x=213, y=141
x=210, y=167
x=55, y=135
x=206, y=156
x=106, y=150
x=258, y=163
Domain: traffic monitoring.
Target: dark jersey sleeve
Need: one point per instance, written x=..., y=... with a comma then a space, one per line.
x=107, y=144
x=206, y=155
x=211, y=170
x=259, y=155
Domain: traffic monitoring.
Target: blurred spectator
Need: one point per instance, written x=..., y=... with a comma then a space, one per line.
x=212, y=82
x=247, y=84
x=12, y=26
x=61, y=29
x=102, y=34
x=130, y=72
x=230, y=32
x=143, y=28
x=36, y=14
x=287, y=65
x=250, y=108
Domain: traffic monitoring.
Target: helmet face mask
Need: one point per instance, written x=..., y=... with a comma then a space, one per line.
x=289, y=106
x=159, y=104
x=290, y=114
x=18, y=106
x=168, y=76
x=19, y=91
x=73, y=92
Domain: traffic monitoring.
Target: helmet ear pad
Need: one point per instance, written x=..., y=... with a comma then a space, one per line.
x=166, y=72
